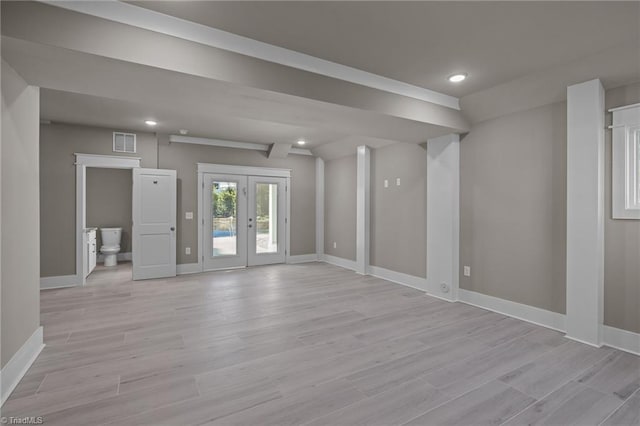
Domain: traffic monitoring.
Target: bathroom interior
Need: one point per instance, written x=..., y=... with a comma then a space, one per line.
x=108, y=232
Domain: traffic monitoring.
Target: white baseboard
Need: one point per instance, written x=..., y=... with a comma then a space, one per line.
x=59, y=281
x=120, y=256
x=18, y=365
x=338, y=261
x=520, y=311
x=302, y=258
x=624, y=340
x=188, y=268
x=399, y=277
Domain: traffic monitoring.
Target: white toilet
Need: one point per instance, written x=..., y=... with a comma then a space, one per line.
x=110, y=245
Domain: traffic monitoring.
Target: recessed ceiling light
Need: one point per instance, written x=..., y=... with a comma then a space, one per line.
x=457, y=78
x=301, y=142
x=150, y=123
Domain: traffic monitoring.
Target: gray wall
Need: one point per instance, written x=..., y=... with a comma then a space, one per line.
x=621, y=239
x=183, y=158
x=340, y=207
x=109, y=195
x=57, y=180
x=513, y=214
x=513, y=207
x=58, y=143
x=20, y=257
x=398, y=213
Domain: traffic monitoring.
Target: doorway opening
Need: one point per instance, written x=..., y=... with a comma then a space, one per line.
x=244, y=216
x=153, y=224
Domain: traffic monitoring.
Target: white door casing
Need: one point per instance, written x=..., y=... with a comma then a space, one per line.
x=272, y=243
x=154, y=223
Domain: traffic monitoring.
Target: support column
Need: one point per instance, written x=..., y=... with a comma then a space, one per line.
x=443, y=216
x=319, y=207
x=585, y=212
x=363, y=209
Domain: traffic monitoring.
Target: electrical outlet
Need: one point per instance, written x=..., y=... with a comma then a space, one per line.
x=187, y=250
x=386, y=183
x=188, y=215
x=397, y=181
x=444, y=288
x=335, y=245
x=467, y=271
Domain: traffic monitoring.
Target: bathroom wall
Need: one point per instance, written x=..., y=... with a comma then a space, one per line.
x=58, y=143
x=109, y=195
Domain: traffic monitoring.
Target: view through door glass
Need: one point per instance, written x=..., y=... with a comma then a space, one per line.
x=266, y=218
x=224, y=212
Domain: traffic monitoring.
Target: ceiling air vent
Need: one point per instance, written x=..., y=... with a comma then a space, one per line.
x=124, y=142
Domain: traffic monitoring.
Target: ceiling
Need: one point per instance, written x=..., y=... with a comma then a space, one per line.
x=75, y=108
x=518, y=55
x=423, y=42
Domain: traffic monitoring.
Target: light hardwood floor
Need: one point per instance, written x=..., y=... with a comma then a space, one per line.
x=307, y=344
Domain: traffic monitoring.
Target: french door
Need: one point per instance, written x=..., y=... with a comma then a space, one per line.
x=244, y=220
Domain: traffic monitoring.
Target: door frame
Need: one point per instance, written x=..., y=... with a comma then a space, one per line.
x=83, y=161
x=226, y=169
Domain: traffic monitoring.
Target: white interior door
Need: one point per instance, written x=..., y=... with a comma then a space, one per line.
x=225, y=221
x=266, y=222
x=154, y=223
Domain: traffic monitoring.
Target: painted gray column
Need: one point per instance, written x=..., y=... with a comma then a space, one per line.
x=363, y=209
x=443, y=216
x=585, y=212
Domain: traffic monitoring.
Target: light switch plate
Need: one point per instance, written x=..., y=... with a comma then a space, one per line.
x=188, y=215
x=467, y=271
x=335, y=245
x=187, y=250
x=397, y=181
x=386, y=183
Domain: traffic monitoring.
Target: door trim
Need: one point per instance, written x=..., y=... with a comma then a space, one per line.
x=205, y=168
x=82, y=162
x=225, y=169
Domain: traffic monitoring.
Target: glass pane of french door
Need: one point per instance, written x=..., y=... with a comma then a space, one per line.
x=266, y=222
x=224, y=218
x=266, y=217
x=225, y=221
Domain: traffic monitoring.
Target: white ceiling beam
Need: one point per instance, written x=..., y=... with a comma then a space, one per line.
x=140, y=17
x=235, y=144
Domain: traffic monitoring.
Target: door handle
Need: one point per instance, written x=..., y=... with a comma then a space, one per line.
x=173, y=228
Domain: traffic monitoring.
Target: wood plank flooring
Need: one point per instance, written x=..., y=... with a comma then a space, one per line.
x=307, y=344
